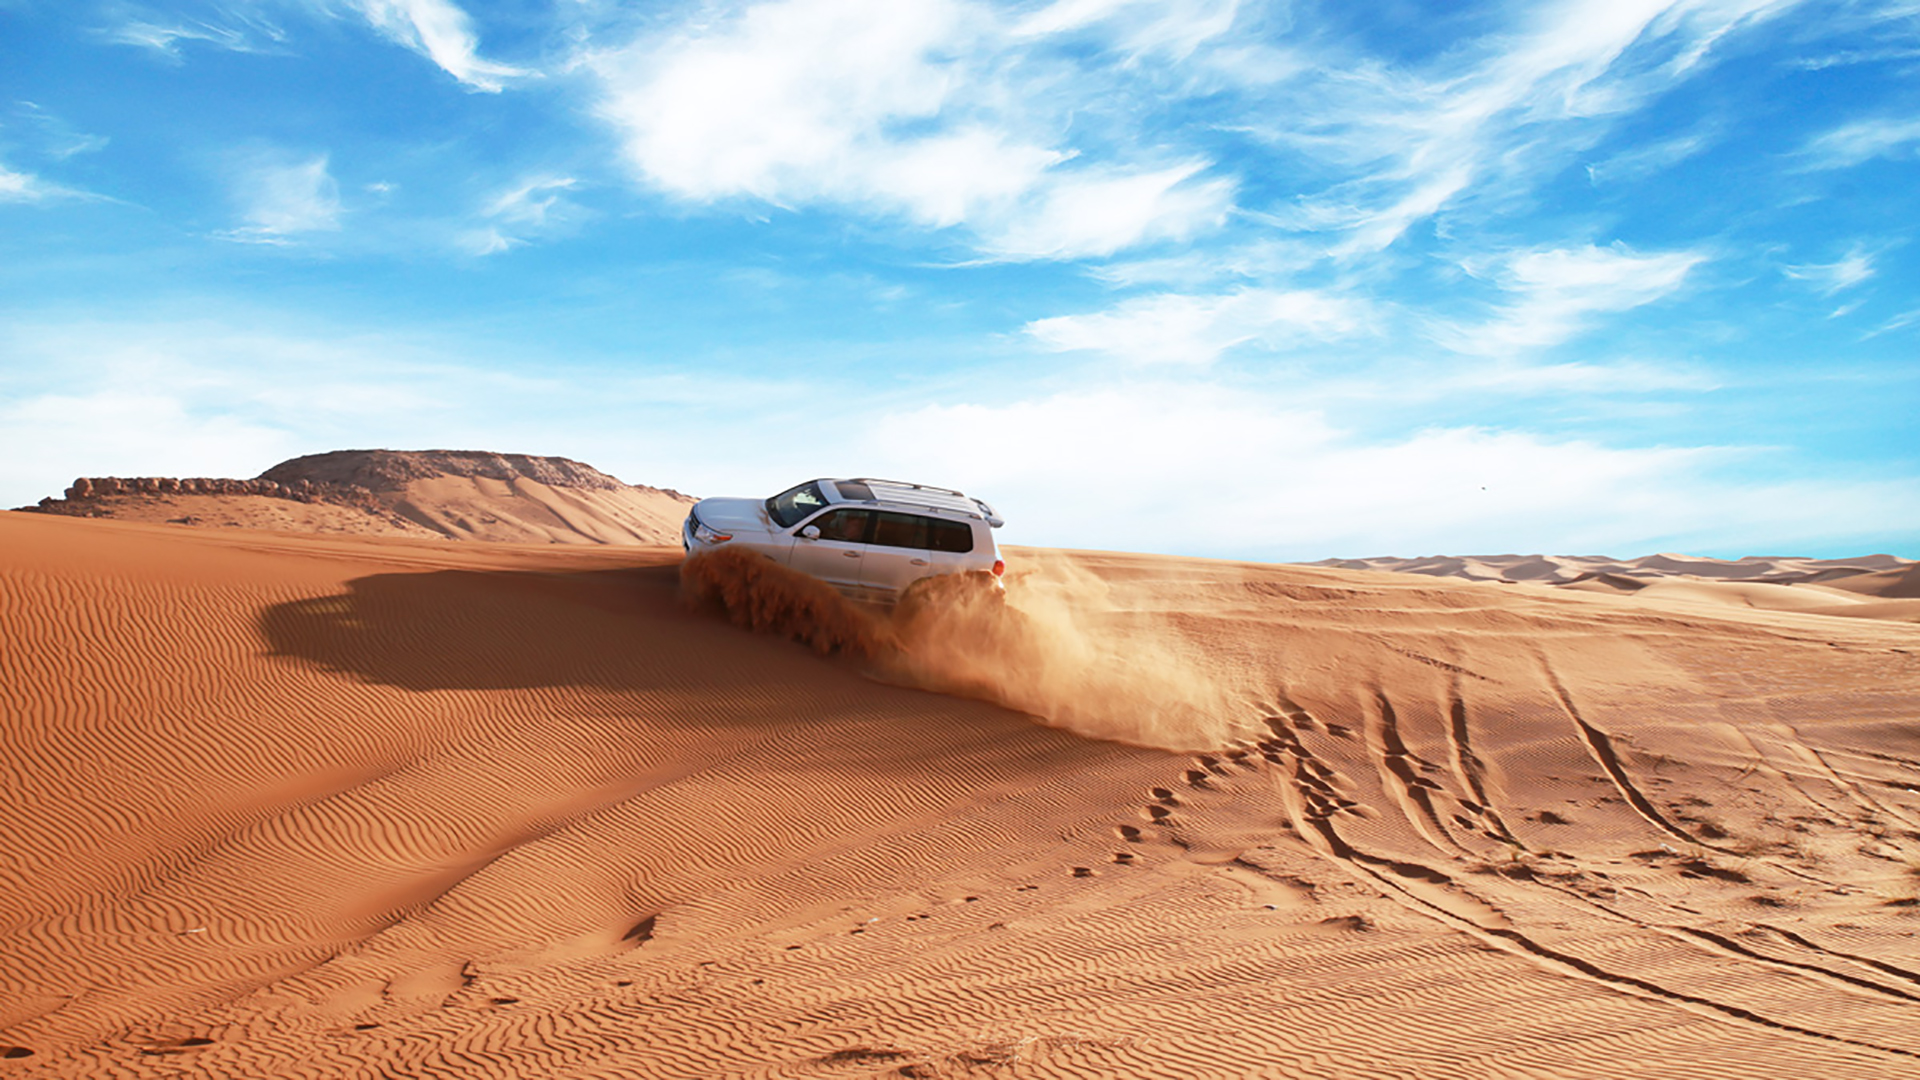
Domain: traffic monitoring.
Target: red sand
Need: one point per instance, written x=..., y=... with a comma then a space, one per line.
x=281, y=805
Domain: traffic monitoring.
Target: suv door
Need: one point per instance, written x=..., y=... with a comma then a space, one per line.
x=898, y=555
x=836, y=556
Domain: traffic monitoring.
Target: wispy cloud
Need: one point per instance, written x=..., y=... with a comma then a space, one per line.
x=1644, y=161
x=1863, y=140
x=281, y=196
x=164, y=37
x=903, y=108
x=535, y=202
x=1172, y=29
x=1844, y=273
x=532, y=207
x=1850, y=57
x=441, y=31
x=1401, y=145
x=1898, y=322
x=1173, y=328
x=54, y=137
x=1556, y=291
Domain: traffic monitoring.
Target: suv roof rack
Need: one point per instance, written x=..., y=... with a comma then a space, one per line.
x=905, y=484
x=943, y=499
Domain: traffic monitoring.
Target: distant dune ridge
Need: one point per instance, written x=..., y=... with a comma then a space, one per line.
x=1869, y=586
x=454, y=494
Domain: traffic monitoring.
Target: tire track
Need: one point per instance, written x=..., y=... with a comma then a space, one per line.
x=1468, y=767
x=1394, y=763
x=1600, y=748
x=1397, y=880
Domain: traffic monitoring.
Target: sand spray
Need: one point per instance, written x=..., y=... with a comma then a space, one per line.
x=1059, y=643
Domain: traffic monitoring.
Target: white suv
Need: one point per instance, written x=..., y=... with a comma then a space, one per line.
x=868, y=538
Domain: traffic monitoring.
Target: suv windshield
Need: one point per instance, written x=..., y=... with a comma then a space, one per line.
x=789, y=507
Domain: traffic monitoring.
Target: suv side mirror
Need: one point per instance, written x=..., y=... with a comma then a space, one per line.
x=811, y=532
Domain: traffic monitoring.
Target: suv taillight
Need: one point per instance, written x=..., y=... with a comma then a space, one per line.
x=999, y=567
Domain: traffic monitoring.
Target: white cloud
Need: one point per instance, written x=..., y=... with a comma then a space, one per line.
x=52, y=438
x=211, y=398
x=1189, y=466
x=1238, y=472
x=1629, y=377
x=1863, y=140
x=904, y=108
x=786, y=102
x=1101, y=213
x=1850, y=270
x=280, y=197
x=1173, y=328
x=21, y=187
x=25, y=187
x=441, y=31
x=1556, y=291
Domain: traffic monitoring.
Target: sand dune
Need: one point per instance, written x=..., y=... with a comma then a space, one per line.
x=1840, y=587
x=334, y=806
x=1869, y=572
x=451, y=494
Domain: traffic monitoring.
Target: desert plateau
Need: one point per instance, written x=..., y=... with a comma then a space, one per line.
x=299, y=793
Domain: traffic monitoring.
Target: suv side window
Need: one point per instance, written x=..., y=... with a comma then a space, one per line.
x=954, y=536
x=901, y=530
x=846, y=526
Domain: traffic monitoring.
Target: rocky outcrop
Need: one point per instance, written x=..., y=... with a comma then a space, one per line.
x=89, y=495
x=353, y=478
x=393, y=470
x=455, y=494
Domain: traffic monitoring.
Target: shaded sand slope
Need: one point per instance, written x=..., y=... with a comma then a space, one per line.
x=332, y=807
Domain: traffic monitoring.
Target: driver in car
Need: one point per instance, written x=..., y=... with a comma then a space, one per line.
x=847, y=526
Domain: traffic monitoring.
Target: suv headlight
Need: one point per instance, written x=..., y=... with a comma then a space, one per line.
x=708, y=536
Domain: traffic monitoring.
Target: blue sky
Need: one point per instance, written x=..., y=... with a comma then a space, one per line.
x=1258, y=280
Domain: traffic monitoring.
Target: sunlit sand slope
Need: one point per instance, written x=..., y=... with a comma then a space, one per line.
x=332, y=807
